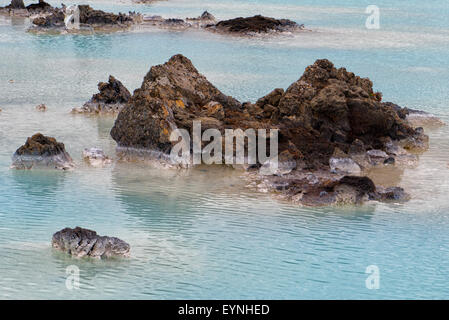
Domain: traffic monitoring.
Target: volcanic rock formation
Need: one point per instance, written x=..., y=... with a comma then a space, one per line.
x=81, y=242
x=331, y=123
x=256, y=24
x=112, y=97
x=40, y=151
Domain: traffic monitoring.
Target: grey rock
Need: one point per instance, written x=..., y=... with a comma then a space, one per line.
x=81, y=242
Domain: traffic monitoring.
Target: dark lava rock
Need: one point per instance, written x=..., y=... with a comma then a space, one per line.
x=16, y=4
x=171, y=96
x=91, y=16
x=112, y=91
x=42, y=151
x=81, y=242
x=389, y=160
x=88, y=16
x=40, y=6
x=364, y=185
x=40, y=145
x=112, y=97
x=256, y=24
x=327, y=109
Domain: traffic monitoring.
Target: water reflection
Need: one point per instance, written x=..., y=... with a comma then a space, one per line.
x=39, y=183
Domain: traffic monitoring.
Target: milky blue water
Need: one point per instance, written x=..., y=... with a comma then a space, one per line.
x=202, y=233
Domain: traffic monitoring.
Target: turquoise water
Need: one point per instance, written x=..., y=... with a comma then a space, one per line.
x=202, y=233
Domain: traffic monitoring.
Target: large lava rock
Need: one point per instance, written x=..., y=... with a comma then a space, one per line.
x=256, y=24
x=325, y=109
x=40, y=151
x=81, y=242
x=171, y=96
x=327, y=119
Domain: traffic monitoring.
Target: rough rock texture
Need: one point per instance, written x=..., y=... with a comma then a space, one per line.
x=42, y=151
x=171, y=96
x=330, y=122
x=81, y=242
x=17, y=4
x=17, y=8
x=88, y=17
x=112, y=97
x=180, y=24
x=256, y=24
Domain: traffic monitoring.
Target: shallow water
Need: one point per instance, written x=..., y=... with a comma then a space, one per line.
x=202, y=233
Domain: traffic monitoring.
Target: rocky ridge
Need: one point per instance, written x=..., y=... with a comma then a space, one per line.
x=332, y=127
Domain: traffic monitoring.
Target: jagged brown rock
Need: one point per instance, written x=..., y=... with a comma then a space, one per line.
x=326, y=110
x=42, y=151
x=111, y=98
x=88, y=18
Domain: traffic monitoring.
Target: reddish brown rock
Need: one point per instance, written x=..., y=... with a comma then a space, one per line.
x=327, y=113
x=44, y=152
x=111, y=98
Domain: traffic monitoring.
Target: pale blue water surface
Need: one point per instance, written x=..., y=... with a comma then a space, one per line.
x=202, y=233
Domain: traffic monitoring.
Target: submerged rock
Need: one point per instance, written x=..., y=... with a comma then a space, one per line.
x=41, y=108
x=112, y=97
x=40, y=151
x=96, y=157
x=327, y=120
x=81, y=242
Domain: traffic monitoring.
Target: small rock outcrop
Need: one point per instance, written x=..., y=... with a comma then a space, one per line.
x=17, y=4
x=96, y=157
x=40, y=151
x=111, y=99
x=81, y=242
x=41, y=107
x=256, y=24
x=331, y=124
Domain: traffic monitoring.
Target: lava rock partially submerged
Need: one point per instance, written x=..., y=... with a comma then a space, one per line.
x=112, y=97
x=256, y=24
x=331, y=124
x=18, y=8
x=40, y=151
x=89, y=19
x=81, y=242
x=96, y=157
